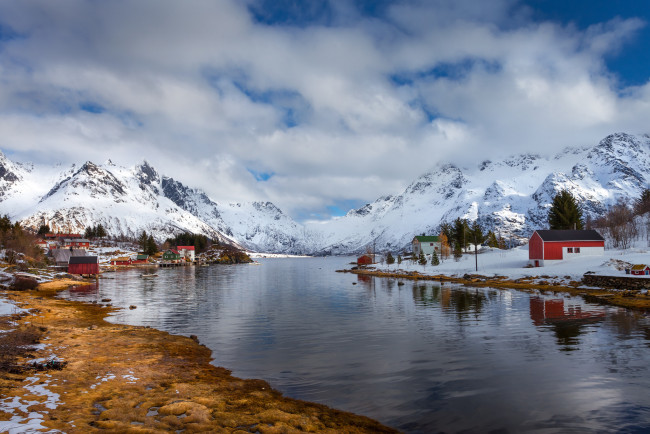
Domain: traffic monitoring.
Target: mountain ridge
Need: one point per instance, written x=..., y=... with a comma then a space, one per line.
x=510, y=195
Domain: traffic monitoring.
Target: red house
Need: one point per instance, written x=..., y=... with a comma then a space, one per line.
x=640, y=270
x=548, y=246
x=364, y=260
x=83, y=265
x=121, y=261
x=78, y=243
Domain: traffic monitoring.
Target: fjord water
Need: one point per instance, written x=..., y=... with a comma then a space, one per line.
x=420, y=357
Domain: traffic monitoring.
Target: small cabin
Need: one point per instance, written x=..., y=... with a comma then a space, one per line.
x=141, y=259
x=121, y=261
x=171, y=255
x=365, y=259
x=548, y=246
x=83, y=265
x=426, y=245
x=640, y=270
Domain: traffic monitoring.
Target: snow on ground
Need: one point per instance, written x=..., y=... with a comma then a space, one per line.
x=24, y=420
x=255, y=255
x=513, y=264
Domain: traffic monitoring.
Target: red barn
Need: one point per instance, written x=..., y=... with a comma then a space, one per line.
x=364, y=260
x=557, y=245
x=83, y=265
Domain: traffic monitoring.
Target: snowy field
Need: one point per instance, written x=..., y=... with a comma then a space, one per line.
x=513, y=264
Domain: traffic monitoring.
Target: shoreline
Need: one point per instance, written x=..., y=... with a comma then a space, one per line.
x=622, y=298
x=139, y=379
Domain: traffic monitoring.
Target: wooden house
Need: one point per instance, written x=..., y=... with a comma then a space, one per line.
x=547, y=246
x=77, y=243
x=124, y=260
x=640, y=270
x=141, y=259
x=171, y=255
x=187, y=252
x=83, y=265
x=366, y=259
x=426, y=245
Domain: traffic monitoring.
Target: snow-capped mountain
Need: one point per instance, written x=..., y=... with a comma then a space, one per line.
x=510, y=196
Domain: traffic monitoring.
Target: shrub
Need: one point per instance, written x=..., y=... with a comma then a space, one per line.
x=24, y=283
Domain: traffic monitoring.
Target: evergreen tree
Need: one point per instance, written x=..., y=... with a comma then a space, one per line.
x=492, y=240
x=434, y=259
x=100, y=232
x=399, y=259
x=142, y=241
x=642, y=204
x=422, y=260
x=565, y=212
x=389, y=259
x=151, y=246
x=89, y=232
x=458, y=252
x=43, y=229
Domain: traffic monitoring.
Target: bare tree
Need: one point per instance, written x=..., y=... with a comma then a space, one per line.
x=619, y=225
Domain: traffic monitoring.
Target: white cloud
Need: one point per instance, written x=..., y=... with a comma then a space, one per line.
x=351, y=111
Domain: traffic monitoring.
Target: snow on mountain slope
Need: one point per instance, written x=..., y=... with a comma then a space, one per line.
x=256, y=225
x=510, y=196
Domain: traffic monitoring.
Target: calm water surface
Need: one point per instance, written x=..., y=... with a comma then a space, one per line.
x=420, y=357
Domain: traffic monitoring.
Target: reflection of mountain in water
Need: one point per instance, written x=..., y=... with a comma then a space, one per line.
x=566, y=321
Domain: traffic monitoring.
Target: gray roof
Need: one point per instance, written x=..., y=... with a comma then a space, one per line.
x=63, y=255
x=84, y=259
x=569, y=235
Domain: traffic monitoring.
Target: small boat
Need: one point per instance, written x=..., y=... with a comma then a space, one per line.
x=149, y=275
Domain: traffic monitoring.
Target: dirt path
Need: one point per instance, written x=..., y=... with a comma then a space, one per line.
x=136, y=379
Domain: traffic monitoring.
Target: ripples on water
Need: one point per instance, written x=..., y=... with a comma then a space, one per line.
x=421, y=357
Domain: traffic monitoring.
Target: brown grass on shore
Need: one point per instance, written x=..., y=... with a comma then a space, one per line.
x=629, y=299
x=135, y=379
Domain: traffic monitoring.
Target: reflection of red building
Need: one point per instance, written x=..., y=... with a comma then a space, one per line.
x=549, y=311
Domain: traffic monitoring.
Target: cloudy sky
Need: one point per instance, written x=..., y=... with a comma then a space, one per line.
x=316, y=105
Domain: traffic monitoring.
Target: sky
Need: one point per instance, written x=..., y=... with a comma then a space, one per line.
x=318, y=106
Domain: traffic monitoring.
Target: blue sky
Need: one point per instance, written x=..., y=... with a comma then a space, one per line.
x=318, y=106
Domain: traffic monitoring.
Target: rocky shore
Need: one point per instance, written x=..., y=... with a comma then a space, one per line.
x=88, y=375
x=625, y=297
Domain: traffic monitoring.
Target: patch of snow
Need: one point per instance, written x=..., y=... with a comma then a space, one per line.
x=28, y=421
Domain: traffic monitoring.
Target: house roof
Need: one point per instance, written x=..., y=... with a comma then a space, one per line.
x=121, y=259
x=639, y=267
x=185, y=247
x=83, y=260
x=175, y=252
x=427, y=239
x=140, y=257
x=569, y=235
x=63, y=255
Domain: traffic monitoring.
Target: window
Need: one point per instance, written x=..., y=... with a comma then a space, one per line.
x=569, y=249
x=577, y=250
x=431, y=244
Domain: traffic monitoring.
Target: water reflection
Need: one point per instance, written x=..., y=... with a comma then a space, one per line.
x=567, y=321
x=421, y=356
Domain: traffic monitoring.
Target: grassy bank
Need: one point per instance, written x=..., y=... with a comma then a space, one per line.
x=629, y=299
x=136, y=379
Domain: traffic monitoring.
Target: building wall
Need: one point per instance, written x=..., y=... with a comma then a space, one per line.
x=535, y=247
x=557, y=250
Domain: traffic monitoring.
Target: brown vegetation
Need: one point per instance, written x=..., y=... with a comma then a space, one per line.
x=136, y=379
x=629, y=299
